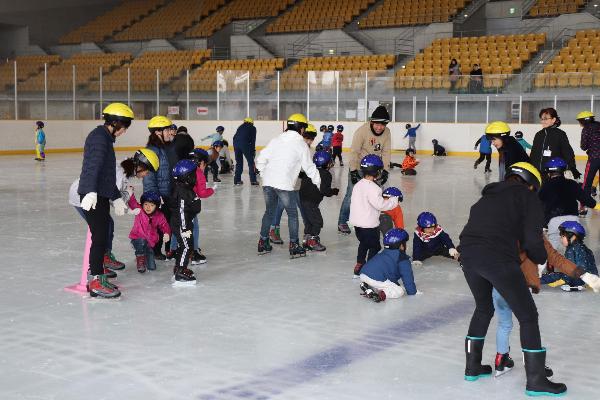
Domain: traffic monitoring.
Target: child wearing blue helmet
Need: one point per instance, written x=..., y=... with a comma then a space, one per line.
x=431, y=240
x=380, y=275
x=310, y=198
x=393, y=218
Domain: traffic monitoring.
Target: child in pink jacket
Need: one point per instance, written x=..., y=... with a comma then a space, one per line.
x=366, y=205
x=144, y=234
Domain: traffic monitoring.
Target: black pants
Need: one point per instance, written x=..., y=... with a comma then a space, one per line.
x=368, y=243
x=225, y=166
x=167, y=213
x=185, y=247
x=591, y=169
x=482, y=276
x=409, y=171
x=214, y=167
x=488, y=160
x=337, y=152
x=98, y=221
x=441, y=250
x=313, y=220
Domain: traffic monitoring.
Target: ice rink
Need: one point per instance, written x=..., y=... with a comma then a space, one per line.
x=256, y=327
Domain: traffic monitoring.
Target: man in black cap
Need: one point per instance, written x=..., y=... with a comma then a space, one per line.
x=373, y=137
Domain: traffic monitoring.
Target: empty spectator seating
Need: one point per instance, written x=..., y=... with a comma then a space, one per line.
x=26, y=66
x=317, y=15
x=552, y=8
x=175, y=17
x=577, y=64
x=106, y=25
x=238, y=10
x=87, y=68
x=498, y=56
x=412, y=12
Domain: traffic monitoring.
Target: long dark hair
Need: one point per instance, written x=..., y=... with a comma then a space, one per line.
x=155, y=140
x=129, y=167
x=552, y=113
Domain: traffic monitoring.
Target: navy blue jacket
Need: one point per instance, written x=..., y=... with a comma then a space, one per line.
x=424, y=249
x=160, y=181
x=391, y=265
x=98, y=171
x=245, y=136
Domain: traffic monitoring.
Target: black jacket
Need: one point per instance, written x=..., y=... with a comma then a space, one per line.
x=507, y=215
x=512, y=152
x=309, y=192
x=245, y=136
x=557, y=142
x=185, y=205
x=98, y=171
x=560, y=196
x=439, y=150
x=180, y=148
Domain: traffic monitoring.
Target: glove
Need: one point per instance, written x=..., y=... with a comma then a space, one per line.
x=186, y=234
x=120, y=206
x=592, y=281
x=541, y=269
x=129, y=190
x=354, y=177
x=383, y=178
x=576, y=174
x=215, y=186
x=335, y=191
x=89, y=201
x=166, y=237
x=134, y=211
x=417, y=263
x=453, y=253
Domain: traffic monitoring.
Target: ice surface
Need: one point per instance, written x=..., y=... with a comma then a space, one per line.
x=254, y=327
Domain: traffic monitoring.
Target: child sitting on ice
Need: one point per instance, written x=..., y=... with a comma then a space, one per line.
x=393, y=218
x=571, y=235
x=144, y=234
x=225, y=158
x=409, y=163
x=431, y=240
x=379, y=276
x=438, y=149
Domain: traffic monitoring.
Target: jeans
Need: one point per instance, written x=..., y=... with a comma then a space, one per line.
x=345, y=209
x=288, y=199
x=280, y=208
x=368, y=243
x=411, y=142
x=98, y=222
x=143, y=249
x=505, y=323
x=111, y=228
x=240, y=153
x=164, y=208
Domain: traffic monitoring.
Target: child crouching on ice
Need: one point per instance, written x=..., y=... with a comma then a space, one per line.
x=144, y=234
x=431, y=240
x=571, y=235
x=379, y=276
x=365, y=206
x=438, y=149
x=409, y=163
x=393, y=218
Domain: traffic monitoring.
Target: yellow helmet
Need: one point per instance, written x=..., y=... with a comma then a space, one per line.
x=585, y=115
x=148, y=158
x=296, y=122
x=158, y=122
x=497, y=128
x=249, y=120
x=527, y=172
x=118, y=112
x=311, y=128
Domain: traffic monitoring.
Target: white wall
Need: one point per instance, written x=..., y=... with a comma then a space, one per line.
x=18, y=135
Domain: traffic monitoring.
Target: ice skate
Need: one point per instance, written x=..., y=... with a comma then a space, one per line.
x=274, y=235
x=170, y=255
x=110, y=274
x=111, y=262
x=503, y=364
x=100, y=287
x=314, y=244
x=569, y=288
x=371, y=294
x=344, y=229
x=198, y=257
x=357, y=269
x=296, y=250
x=264, y=246
x=488, y=171
x=183, y=277
x=140, y=262
x=305, y=240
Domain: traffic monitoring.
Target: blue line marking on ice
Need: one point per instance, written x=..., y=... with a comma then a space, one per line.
x=276, y=381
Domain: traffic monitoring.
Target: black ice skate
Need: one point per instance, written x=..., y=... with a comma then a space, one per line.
x=503, y=364
x=296, y=250
x=264, y=246
x=368, y=292
x=183, y=277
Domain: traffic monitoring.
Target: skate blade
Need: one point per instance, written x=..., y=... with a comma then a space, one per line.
x=183, y=283
x=297, y=256
x=500, y=373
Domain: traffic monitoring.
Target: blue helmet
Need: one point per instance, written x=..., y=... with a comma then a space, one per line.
x=184, y=169
x=173, y=126
x=150, y=197
x=426, y=220
x=217, y=143
x=394, y=237
x=371, y=164
x=198, y=155
x=220, y=129
x=555, y=164
x=393, y=191
x=340, y=128
x=573, y=227
x=322, y=158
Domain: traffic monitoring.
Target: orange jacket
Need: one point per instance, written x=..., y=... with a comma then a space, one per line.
x=397, y=217
x=409, y=162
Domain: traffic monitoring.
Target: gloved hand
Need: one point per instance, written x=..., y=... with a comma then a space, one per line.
x=130, y=190
x=475, y=148
x=186, y=234
x=453, y=253
x=382, y=178
x=120, y=206
x=215, y=186
x=355, y=176
x=592, y=281
x=89, y=201
x=417, y=263
x=134, y=211
x=576, y=174
x=335, y=191
x=541, y=269
x=166, y=237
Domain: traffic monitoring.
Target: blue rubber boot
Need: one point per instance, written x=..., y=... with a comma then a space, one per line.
x=537, y=382
x=473, y=349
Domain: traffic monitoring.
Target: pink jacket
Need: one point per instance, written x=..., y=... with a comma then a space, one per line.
x=146, y=226
x=200, y=188
x=367, y=203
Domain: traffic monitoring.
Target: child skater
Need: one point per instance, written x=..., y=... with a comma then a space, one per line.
x=200, y=157
x=411, y=133
x=380, y=275
x=185, y=205
x=485, y=152
x=310, y=198
x=145, y=231
x=519, y=136
x=572, y=234
x=366, y=204
x=431, y=240
x=438, y=149
x=409, y=163
x=213, y=160
x=336, y=142
x=225, y=158
x=40, y=141
x=393, y=218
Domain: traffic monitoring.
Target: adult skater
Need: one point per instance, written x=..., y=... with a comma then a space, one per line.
x=507, y=216
x=373, y=137
x=97, y=186
x=509, y=150
x=590, y=143
x=244, y=145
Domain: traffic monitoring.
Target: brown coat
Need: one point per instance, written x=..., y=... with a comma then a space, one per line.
x=365, y=142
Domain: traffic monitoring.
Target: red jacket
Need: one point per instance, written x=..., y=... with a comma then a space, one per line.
x=200, y=187
x=409, y=163
x=146, y=226
x=337, y=139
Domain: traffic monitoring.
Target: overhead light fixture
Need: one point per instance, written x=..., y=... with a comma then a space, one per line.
x=466, y=15
x=331, y=51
